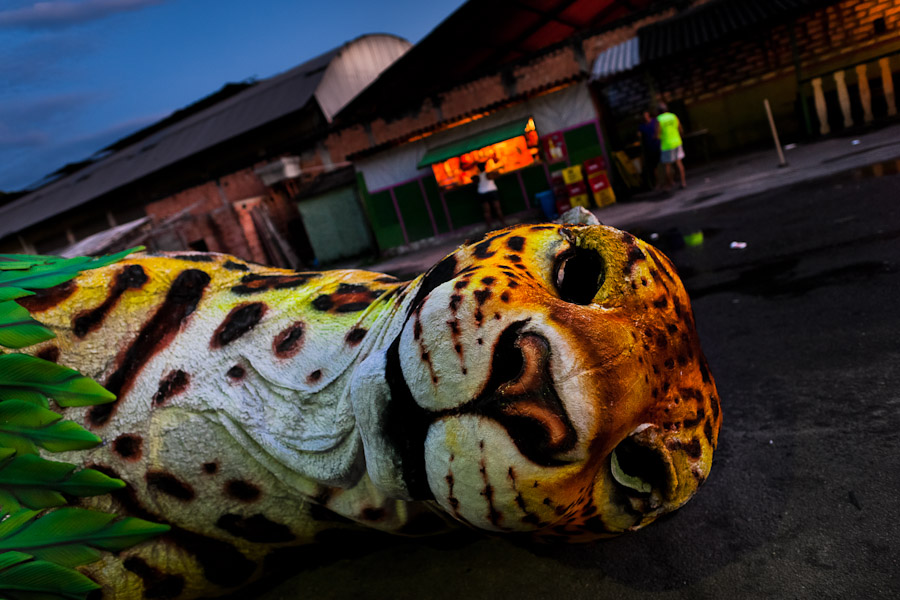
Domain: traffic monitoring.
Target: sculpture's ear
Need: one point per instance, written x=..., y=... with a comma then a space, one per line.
x=370, y=395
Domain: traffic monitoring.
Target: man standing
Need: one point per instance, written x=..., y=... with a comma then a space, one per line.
x=670, y=143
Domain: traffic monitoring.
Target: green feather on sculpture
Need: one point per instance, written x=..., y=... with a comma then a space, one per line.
x=40, y=548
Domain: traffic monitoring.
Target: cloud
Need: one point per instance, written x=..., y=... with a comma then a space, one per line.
x=58, y=14
x=21, y=165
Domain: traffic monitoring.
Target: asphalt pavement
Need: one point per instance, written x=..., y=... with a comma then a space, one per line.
x=800, y=323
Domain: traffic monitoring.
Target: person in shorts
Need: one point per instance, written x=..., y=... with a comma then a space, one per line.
x=670, y=144
x=648, y=132
x=489, y=196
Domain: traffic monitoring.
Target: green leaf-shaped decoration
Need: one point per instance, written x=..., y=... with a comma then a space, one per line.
x=11, y=293
x=25, y=426
x=34, y=482
x=33, y=379
x=24, y=578
x=18, y=329
x=72, y=536
x=46, y=271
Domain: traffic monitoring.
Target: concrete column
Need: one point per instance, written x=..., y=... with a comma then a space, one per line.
x=887, y=83
x=821, y=109
x=865, y=95
x=843, y=97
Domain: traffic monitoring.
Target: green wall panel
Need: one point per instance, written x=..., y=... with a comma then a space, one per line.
x=412, y=207
x=464, y=206
x=434, y=200
x=382, y=216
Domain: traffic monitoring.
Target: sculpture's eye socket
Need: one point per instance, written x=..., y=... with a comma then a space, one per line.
x=579, y=275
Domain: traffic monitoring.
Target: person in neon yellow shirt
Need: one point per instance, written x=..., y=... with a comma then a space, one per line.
x=670, y=144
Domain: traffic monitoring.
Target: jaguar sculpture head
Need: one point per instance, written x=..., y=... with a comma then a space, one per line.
x=548, y=380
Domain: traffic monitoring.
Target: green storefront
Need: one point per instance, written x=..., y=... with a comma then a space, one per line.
x=413, y=208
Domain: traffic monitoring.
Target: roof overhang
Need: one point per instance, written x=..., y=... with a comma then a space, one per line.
x=475, y=141
x=617, y=59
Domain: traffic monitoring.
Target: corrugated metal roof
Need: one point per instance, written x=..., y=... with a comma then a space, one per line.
x=713, y=21
x=266, y=101
x=480, y=38
x=617, y=59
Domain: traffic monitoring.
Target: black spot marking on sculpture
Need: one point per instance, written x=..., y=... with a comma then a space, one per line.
x=417, y=329
x=405, y=426
x=47, y=298
x=513, y=258
x=661, y=302
x=314, y=376
x=693, y=448
x=174, y=383
x=462, y=283
x=235, y=266
x=513, y=283
x=255, y=283
x=242, y=490
x=356, y=335
x=670, y=363
x=239, y=321
x=157, y=585
x=541, y=227
x=714, y=406
x=222, y=563
x=157, y=333
x=349, y=297
x=169, y=485
x=488, y=281
x=132, y=277
x=194, y=257
x=454, y=327
x=211, y=468
x=50, y=354
x=504, y=296
x=439, y=274
x=483, y=249
x=289, y=341
x=516, y=242
x=455, y=299
x=691, y=423
x=236, y=372
x=257, y=529
x=481, y=296
x=128, y=446
x=708, y=432
x=704, y=370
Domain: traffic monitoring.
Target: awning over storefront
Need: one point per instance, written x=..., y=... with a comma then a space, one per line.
x=617, y=59
x=715, y=20
x=474, y=142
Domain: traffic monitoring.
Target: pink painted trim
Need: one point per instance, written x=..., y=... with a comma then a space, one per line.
x=522, y=187
x=399, y=216
x=446, y=211
x=428, y=207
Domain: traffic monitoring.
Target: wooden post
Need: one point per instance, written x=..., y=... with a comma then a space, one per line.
x=865, y=95
x=887, y=83
x=843, y=97
x=781, y=161
x=821, y=108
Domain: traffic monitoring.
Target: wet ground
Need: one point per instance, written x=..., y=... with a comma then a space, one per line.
x=802, y=332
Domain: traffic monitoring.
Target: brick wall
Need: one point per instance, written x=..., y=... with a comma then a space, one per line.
x=722, y=86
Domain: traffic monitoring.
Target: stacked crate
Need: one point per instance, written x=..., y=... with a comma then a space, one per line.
x=598, y=181
x=576, y=187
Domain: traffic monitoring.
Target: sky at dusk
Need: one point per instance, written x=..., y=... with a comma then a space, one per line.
x=76, y=75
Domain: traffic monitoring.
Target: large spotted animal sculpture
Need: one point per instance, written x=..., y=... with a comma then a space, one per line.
x=546, y=380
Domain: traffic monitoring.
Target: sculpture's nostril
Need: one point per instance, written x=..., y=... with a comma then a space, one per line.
x=639, y=469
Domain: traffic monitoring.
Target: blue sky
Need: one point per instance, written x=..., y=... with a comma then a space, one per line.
x=75, y=75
